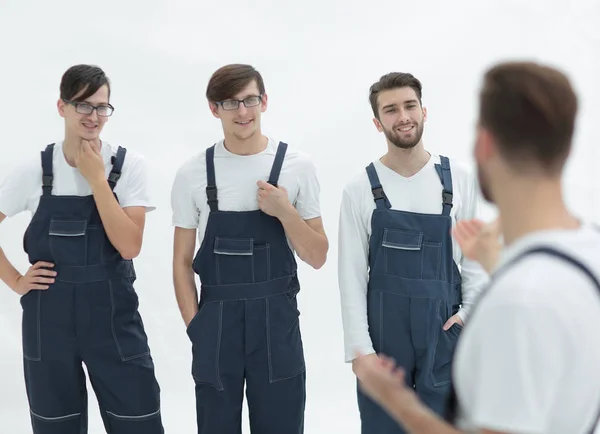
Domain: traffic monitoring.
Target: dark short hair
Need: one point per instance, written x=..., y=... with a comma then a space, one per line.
x=80, y=77
x=390, y=81
x=530, y=110
x=229, y=80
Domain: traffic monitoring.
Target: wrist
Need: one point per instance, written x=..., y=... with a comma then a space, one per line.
x=98, y=183
x=288, y=213
x=13, y=282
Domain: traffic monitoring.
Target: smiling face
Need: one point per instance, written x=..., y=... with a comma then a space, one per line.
x=240, y=115
x=79, y=122
x=400, y=116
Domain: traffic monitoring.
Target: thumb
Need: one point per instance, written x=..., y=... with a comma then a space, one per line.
x=264, y=185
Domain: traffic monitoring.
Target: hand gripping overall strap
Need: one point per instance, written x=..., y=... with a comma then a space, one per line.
x=47, y=175
x=381, y=199
x=117, y=161
x=277, y=164
x=452, y=404
x=211, y=186
x=445, y=175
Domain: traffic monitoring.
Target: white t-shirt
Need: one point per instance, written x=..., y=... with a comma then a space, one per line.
x=420, y=193
x=22, y=188
x=529, y=360
x=236, y=177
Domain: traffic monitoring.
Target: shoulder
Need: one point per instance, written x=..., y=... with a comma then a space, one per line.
x=462, y=173
x=194, y=166
x=132, y=159
x=358, y=187
x=541, y=280
x=295, y=159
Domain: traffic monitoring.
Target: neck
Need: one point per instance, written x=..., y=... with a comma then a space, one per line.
x=250, y=146
x=531, y=206
x=406, y=162
x=71, y=146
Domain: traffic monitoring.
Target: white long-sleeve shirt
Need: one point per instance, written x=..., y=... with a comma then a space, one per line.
x=421, y=193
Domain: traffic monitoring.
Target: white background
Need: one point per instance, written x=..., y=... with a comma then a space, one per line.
x=318, y=59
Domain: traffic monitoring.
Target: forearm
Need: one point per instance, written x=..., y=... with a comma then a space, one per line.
x=418, y=419
x=8, y=273
x=124, y=234
x=310, y=245
x=185, y=290
x=474, y=281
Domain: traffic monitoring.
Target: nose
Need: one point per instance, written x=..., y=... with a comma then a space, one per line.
x=403, y=116
x=242, y=110
x=93, y=116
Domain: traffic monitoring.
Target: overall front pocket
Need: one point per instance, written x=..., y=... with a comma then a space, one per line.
x=68, y=242
x=284, y=340
x=241, y=261
x=126, y=322
x=204, y=330
x=402, y=253
x=31, y=327
x=441, y=370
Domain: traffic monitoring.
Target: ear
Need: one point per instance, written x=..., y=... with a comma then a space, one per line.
x=485, y=147
x=377, y=124
x=265, y=100
x=424, y=114
x=214, y=109
x=61, y=106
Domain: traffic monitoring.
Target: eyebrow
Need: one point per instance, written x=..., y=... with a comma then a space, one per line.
x=410, y=101
x=91, y=103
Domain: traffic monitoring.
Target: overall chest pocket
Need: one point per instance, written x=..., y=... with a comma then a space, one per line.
x=406, y=254
x=68, y=241
x=241, y=261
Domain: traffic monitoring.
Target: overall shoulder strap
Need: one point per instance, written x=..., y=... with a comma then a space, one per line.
x=445, y=174
x=47, y=172
x=117, y=162
x=277, y=164
x=211, y=186
x=379, y=195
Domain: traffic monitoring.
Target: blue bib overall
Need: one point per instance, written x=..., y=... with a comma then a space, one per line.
x=90, y=314
x=247, y=327
x=414, y=287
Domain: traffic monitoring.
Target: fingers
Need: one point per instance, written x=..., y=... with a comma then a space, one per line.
x=264, y=185
x=42, y=264
x=42, y=272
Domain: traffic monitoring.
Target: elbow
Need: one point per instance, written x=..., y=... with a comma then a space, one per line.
x=129, y=254
x=319, y=257
x=318, y=262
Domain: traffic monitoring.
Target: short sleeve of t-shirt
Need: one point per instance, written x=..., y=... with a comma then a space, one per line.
x=135, y=189
x=17, y=188
x=307, y=202
x=185, y=212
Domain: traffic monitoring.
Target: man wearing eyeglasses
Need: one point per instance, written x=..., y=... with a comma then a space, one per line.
x=252, y=202
x=88, y=199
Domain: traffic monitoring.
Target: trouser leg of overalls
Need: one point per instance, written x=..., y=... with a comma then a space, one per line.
x=390, y=330
x=118, y=358
x=275, y=369
x=54, y=377
x=217, y=335
x=434, y=349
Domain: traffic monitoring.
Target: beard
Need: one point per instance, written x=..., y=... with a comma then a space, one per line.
x=484, y=185
x=406, y=142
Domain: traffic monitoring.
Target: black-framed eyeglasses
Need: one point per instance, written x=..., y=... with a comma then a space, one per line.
x=85, y=108
x=233, y=104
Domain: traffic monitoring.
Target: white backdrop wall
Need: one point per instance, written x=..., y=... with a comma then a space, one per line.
x=318, y=59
